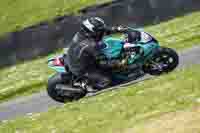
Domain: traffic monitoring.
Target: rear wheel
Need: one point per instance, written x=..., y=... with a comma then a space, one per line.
x=58, y=89
x=165, y=60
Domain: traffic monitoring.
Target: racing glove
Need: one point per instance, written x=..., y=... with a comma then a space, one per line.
x=119, y=29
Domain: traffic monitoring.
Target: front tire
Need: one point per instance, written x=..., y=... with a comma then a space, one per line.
x=60, y=95
x=165, y=57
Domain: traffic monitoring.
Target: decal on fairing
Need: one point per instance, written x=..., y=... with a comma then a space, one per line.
x=113, y=47
x=145, y=37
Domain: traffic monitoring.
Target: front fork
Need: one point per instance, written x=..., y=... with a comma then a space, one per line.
x=155, y=66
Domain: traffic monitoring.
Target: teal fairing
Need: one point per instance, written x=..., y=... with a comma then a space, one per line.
x=113, y=49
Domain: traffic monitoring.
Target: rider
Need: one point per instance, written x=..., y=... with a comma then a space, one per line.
x=84, y=50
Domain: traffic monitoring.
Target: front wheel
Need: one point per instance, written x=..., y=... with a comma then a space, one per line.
x=57, y=89
x=164, y=60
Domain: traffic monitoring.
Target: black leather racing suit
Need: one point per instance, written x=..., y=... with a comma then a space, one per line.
x=81, y=57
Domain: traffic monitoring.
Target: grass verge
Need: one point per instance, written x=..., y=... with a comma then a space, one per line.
x=179, y=33
x=185, y=121
x=31, y=76
x=117, y=111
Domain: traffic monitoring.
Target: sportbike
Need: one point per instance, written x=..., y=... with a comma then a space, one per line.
x=150, y=57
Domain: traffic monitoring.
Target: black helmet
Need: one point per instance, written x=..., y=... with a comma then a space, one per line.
x=93, y=26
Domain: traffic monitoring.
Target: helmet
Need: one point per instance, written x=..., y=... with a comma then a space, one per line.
x=93, y=26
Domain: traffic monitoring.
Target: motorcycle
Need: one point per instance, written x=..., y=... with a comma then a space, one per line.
x=147, y=55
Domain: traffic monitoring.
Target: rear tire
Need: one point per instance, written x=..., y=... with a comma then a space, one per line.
x=57, y=94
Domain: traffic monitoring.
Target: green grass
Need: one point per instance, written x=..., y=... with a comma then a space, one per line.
x=18, y=14
x=118, y=110
x=180, y=33
x=31, y=76
x=181, y=121
x=23, y=79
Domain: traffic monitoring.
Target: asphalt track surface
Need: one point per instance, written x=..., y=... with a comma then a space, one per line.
x=41, y=102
